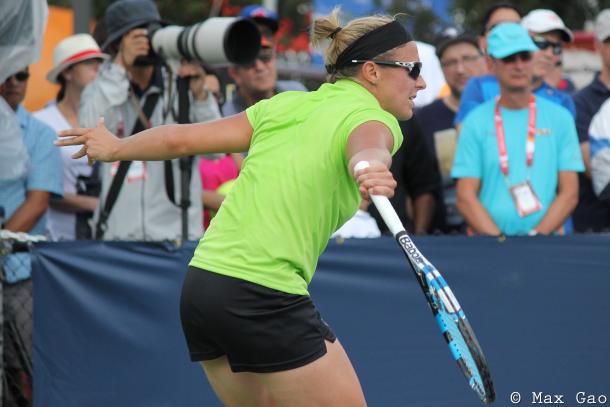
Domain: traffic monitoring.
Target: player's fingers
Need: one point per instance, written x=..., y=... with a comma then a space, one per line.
x=80, y=153
x=381, y=190
x=78, y=131
x=70, y=141
x=367, y=174
x=381, y=182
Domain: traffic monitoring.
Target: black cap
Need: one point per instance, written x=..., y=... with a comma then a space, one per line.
x=447, y=42
x=124, y=15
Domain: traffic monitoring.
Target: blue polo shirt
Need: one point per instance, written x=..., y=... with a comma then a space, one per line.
x=44, y=168
x=44, y=173
x=477, y=156
x=480, y=89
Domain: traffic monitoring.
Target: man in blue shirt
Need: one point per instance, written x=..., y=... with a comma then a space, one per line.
x=25, y=201
x=549, y=32
x=517, y=155
x=592, y=215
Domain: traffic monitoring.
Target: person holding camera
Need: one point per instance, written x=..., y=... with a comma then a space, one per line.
x=135, y=90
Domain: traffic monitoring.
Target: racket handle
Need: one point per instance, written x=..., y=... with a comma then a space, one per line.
x=383, y=205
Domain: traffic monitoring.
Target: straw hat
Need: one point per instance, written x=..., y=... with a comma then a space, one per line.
x=71, y=50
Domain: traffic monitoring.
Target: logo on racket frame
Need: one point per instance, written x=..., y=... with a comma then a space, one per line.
x=405, y=241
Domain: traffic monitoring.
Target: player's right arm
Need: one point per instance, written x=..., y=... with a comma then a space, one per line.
x=231, y=134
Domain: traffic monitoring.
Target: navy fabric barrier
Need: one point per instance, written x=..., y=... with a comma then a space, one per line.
x=107, y=329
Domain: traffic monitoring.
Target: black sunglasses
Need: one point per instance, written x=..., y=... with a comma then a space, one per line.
x=543, y=44
x=265, y=55
x=414, y=68
x=20, y=76
x=522, y=56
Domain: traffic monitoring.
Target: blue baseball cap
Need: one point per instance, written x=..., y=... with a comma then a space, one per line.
x=507, y=39
x=261, y=15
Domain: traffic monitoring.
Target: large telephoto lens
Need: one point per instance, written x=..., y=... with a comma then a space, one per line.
x=216, y=41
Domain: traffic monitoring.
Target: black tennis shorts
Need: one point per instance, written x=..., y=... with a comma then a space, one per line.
x=259, y=329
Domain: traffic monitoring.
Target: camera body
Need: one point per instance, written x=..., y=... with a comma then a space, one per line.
x=216, y=41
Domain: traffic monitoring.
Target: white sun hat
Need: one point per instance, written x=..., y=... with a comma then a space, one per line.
x=542, y=20
x=73, y=49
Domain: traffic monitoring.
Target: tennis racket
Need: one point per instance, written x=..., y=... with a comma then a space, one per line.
x=449, y=315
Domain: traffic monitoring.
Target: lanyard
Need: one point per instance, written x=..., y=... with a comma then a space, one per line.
x=531, y=136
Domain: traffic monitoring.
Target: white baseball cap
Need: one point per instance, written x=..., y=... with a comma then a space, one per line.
x=73, y=49
x=544, y=20
x=602, y=25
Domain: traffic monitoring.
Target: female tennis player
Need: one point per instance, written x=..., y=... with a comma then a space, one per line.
x=245, y=309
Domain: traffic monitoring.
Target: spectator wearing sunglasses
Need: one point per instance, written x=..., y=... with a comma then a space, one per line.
x=478, y=87
x=26, y=200
x=549, y=34
x=486, y=87
x=257, y=80
x=517, y=154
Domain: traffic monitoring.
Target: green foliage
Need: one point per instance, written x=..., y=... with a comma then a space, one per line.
x=186, y=12
x=420, y=19
x=573, y=13
x=182, y=12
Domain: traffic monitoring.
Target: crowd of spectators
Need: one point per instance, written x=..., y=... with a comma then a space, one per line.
x=546, y=174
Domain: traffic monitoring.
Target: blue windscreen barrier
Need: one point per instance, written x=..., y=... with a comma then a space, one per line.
x=107, y=329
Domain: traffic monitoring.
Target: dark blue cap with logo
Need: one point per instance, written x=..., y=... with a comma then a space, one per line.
x=261, y=15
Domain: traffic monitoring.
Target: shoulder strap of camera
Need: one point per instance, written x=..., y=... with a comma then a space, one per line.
x=142, y=123
x=185, y=162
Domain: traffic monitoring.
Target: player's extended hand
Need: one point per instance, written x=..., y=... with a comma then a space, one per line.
x=376, y=179
x=98, y=143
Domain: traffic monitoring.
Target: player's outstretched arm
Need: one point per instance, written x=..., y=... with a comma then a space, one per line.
x=231, y=134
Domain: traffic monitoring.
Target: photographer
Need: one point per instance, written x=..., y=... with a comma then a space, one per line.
x=137, y=86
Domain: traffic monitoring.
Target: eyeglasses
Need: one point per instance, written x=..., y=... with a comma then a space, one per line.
x=522, y=56
x=414, y=67
x=265, y=56
x=20, y=76
x=543, y=44
x=466, y=60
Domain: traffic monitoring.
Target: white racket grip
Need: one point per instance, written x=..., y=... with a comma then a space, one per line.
x=384, y=206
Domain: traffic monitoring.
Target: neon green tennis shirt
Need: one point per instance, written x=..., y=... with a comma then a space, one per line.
x=294, y=189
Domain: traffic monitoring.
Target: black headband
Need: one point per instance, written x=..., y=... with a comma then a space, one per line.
x=371, y=44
